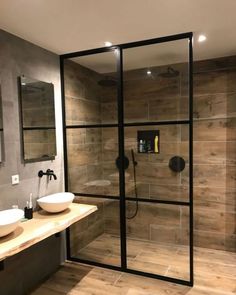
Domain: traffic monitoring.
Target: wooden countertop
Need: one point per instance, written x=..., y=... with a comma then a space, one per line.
x=41, y=227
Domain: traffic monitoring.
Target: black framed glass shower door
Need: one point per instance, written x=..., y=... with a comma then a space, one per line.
x=127, y=135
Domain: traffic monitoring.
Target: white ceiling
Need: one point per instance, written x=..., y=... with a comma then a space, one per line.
x=64, y=26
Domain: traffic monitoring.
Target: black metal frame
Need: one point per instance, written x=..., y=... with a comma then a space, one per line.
x=121, y=125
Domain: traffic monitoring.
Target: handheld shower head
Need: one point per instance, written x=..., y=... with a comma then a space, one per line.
x=107, y=81
x=170, y=73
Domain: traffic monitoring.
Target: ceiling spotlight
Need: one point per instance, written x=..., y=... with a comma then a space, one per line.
x=107, y=43
x=149, y=72
x=201, y=38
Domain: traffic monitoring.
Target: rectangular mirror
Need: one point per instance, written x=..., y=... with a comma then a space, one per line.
x=37, y=120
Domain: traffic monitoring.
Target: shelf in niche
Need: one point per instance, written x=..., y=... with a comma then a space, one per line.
x=152, y=123
x=39, y=128
x=92, y=126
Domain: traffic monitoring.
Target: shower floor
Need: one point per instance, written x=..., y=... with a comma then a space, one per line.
x=163, y=259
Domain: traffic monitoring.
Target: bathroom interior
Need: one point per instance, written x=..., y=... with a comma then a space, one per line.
x=143, y=133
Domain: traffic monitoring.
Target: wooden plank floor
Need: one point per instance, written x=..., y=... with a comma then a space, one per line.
x=215, y=274
x=163, y=259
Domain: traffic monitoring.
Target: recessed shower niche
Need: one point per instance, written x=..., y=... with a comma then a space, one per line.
x=114, y=98
x=148, y=141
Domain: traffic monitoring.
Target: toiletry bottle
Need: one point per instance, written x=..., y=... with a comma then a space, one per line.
x=156, y=149
x=144, y=146
x=29, y=208
x=148, y=146
x=141, y=146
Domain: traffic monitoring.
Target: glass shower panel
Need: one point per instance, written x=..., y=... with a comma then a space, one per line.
x=91, y=89
x=154, y=176
x=91, y=156
x=158, y=239
x=156, y=82
x=90, y=83
x=156, y=130
x=96, y=238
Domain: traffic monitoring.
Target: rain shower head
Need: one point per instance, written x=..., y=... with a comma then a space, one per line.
x=170, y=73
x=107, y=81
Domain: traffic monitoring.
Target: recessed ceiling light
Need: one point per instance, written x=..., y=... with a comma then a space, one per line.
x=107, y=43
x=149, y=72
x=201, y=38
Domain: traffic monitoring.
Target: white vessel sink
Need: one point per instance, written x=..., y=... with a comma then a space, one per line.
x=9, y=220
x=56, y=202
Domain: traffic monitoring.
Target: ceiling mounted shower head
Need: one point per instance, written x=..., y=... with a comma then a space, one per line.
x=170, y=73
x=107, y=81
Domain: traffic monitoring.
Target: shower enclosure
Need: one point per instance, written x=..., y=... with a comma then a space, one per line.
x=127, y=112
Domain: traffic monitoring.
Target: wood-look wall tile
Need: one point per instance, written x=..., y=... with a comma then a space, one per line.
x=135, y=111
x=173, y=108
x=219, y=105
x=108, y=94
x=155, y=214
x=151, y=88
x=230, y=176
x=211, y=82
x=215, y=240
x=153, y=174
x=83, y=238
x=165, y=234
x=221, y=199
x=76, y=136
x=210, y=152
x=82, y=111
x=112, y=209
x=212, y=130
x=84, y=154
x=81, y=81
x=137, y=230
x=169, y=192
x=142, y=189
x=209, y=175
x=169, y=150
x=112, y=226
x=226, y=62
x=109, y=112
x=206, y=220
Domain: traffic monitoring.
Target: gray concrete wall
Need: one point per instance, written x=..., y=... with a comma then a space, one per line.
x=19, y=57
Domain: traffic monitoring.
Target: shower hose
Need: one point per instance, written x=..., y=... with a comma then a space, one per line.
x=135, y=186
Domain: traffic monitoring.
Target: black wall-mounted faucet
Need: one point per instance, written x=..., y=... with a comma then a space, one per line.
x=49, y=173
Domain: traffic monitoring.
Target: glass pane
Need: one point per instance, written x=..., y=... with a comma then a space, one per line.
x=91, y=89
x=92, y=154
x=39, y=144
x=97, y=237
x=37, y=103
x=156, y=82
x=155, y=179
x=158, y=239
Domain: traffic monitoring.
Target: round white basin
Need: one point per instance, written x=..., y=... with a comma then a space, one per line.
x=9, y=220
x=56, y=202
